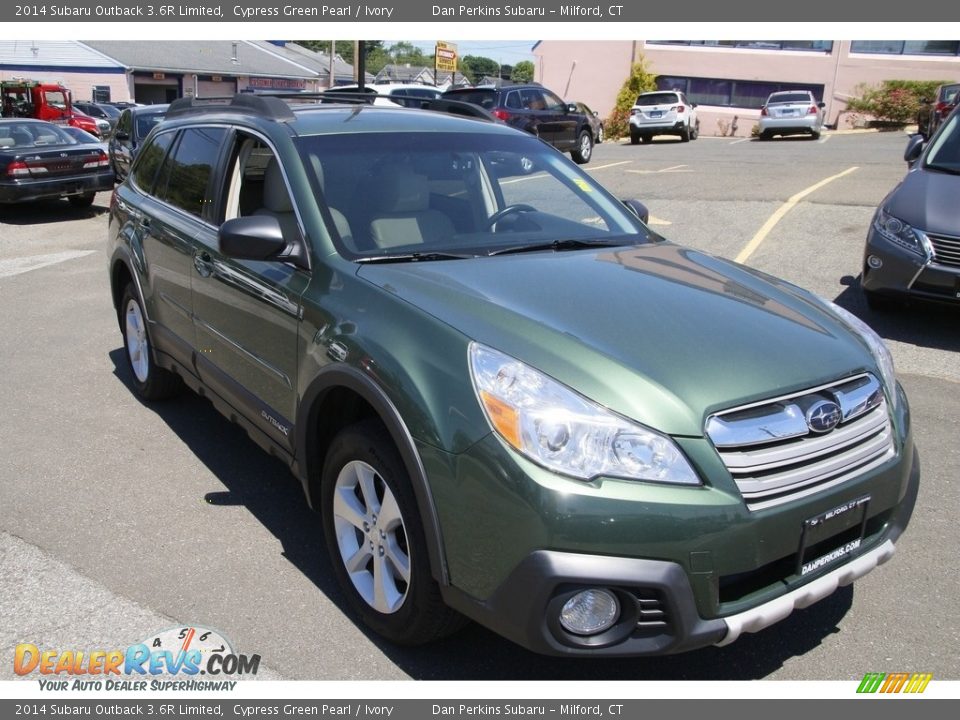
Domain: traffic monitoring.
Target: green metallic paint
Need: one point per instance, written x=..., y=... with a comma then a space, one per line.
x=661, y=334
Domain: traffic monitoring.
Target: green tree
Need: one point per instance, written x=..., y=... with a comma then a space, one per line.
x=641, y=80
x=522, y=72
x=475, y=67
x=344, y=48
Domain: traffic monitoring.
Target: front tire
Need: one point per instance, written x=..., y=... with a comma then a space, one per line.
x=883, y=303
x=376, y=541
x=584, y=150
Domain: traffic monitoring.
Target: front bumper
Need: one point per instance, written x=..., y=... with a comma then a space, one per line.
x=903, y=272
x=28, y=189
x=659, y=610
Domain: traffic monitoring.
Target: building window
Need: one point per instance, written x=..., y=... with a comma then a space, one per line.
x=747, y=94
x=906, y=47
x=823, y=46
x=101, y=93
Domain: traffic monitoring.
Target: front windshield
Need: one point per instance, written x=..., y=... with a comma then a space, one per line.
x=465, y=194
x=944, y=152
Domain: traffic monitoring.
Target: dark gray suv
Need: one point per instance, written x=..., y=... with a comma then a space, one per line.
x=538, y=111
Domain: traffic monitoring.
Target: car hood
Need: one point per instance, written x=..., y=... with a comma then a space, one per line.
x=658, y=333
x=927, y=200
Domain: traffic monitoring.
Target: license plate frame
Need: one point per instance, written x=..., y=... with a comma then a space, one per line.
x=836, y=521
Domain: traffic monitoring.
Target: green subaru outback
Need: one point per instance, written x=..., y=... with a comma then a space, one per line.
x=508, y=398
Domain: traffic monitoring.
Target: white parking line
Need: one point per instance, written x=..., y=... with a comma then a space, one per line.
x=737, y=142
x=15, y=266
x=824, y=139
x=777, y=216
x=610, y=165
x=672, y=169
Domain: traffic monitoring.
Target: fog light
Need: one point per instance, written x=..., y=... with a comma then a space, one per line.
x=874, y=262
x=590, y=612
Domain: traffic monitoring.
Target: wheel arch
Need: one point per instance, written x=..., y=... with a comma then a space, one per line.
x=339, y=397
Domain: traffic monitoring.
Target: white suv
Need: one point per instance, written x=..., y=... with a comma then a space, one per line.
x=665, y=112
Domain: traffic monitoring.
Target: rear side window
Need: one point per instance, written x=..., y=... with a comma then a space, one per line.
x=149, y=161
x=185, y=177
x=483, y=98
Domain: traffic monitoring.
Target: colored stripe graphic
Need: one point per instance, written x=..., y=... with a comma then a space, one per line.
x=895, y=682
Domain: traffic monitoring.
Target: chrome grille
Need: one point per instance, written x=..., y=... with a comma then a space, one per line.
x=946, y=250
x=774, y=457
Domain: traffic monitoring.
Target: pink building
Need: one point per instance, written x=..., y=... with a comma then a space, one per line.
x=732, y=78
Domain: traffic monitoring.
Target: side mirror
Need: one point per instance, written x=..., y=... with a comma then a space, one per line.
x=596, y=114
x=638, y=209
x=121, y=135
x=693, y=105
x=256, y=237
x=821, y=105
x=914, y=149
x=571, y=107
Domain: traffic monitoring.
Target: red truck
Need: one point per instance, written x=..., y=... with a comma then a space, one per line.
x=43, y=101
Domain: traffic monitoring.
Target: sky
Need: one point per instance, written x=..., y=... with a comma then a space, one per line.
x=507, y=52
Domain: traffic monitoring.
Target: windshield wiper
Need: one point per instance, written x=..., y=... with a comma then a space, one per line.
x=568, y=244
x=942, y=168
x=412, y=257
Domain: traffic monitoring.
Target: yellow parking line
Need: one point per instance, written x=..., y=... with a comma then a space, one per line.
x=783, y=210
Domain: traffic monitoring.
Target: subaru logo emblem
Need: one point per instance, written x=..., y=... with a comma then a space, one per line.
x=823, y=416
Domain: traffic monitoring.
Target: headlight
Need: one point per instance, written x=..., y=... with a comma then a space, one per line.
x=557, y=428
x=897, y=231
x=881, y=352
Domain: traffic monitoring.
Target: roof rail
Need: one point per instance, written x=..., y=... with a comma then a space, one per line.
x=272, y=106
x=268, y=106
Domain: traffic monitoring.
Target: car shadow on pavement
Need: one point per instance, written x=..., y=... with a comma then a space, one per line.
x=48, y=211
x=267, y=489
x=925, y=324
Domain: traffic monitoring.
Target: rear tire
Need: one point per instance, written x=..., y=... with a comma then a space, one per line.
x=634, y=138
x=766, y=135
x=375, y=538
x=599, y=135
x=584, y=150
x=149, y=381
x=685, y=133
x=82, y=201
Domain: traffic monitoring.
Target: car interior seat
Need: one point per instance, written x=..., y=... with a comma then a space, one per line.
x=277, y=202
x=402, y=214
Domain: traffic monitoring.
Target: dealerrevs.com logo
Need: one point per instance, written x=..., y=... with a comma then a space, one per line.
x=173, y=659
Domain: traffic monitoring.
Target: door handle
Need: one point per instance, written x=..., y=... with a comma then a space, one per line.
x=202, y=263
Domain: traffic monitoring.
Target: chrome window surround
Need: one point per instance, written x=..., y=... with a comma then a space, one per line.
x=774, y=457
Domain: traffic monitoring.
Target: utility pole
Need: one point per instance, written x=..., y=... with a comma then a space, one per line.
x=333, y=51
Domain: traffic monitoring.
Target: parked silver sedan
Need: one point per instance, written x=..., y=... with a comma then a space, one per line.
x=791, y=112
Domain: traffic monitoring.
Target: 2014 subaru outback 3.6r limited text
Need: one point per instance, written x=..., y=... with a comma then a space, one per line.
x=510, y=401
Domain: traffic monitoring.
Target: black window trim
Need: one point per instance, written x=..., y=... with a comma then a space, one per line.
x=219, y=203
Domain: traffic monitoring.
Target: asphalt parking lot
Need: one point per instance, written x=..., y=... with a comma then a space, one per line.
x=119, y=519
